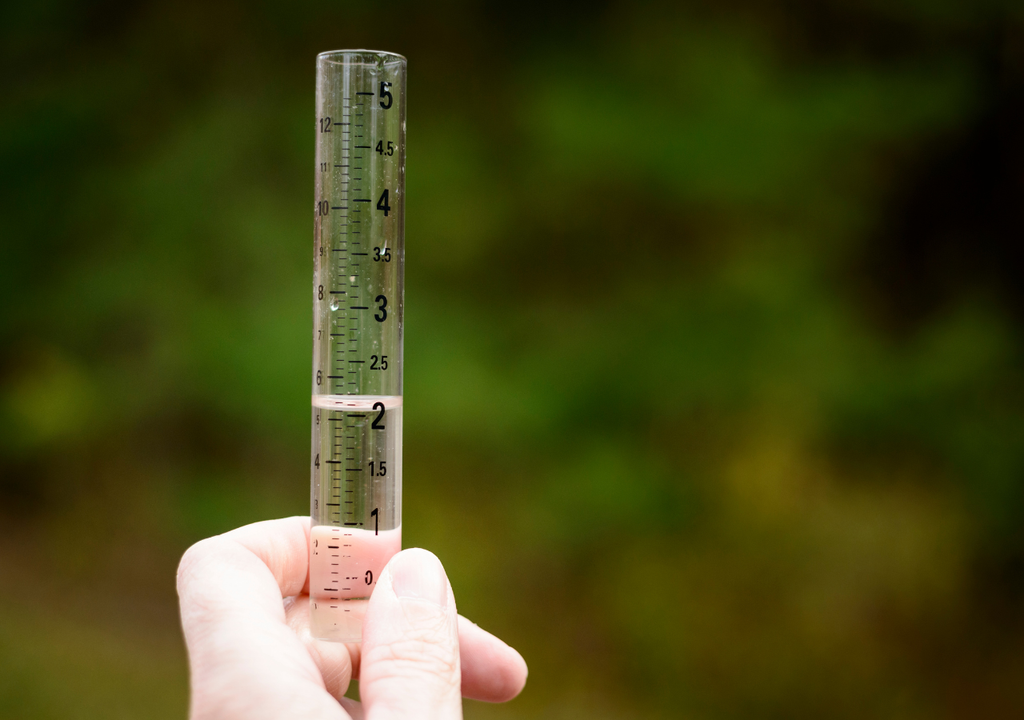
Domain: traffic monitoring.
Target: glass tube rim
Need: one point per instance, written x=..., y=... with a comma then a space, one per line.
x=342, y=56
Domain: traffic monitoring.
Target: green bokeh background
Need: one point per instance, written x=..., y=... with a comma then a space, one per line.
x=714, y=381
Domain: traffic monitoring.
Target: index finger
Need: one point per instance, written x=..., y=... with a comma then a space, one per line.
x=256, y=565
x=245, y=660
x=283, y=546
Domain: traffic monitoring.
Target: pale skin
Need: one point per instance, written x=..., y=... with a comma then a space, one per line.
x=245, y=613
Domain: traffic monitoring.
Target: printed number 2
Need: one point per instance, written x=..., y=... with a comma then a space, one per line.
x=378, y=422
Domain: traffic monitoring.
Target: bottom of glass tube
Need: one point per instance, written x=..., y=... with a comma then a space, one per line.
x=337, y=620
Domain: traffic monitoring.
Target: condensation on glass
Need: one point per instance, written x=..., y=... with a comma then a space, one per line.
x=358, y=299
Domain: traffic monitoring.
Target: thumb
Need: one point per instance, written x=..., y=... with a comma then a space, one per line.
x=410, y=654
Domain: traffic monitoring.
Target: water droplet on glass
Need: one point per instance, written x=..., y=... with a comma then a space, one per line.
x=352, y=278
x=334, y=303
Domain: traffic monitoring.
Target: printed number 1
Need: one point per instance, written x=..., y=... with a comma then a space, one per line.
x=376, y=520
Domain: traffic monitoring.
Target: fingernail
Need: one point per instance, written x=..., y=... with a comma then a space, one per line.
x=417, y=574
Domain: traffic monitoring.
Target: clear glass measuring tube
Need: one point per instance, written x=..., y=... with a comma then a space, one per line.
x=358, y=299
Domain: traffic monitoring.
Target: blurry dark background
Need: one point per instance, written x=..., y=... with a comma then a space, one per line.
x=714, y=380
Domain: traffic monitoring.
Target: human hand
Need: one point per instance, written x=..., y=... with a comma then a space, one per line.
x=245, y=612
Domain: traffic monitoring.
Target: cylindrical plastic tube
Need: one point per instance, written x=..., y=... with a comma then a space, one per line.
x=358, y=297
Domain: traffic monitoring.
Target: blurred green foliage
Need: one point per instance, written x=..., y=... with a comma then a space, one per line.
x=691, y=420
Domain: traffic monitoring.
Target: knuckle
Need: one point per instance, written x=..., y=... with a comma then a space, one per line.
x=193, y=560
